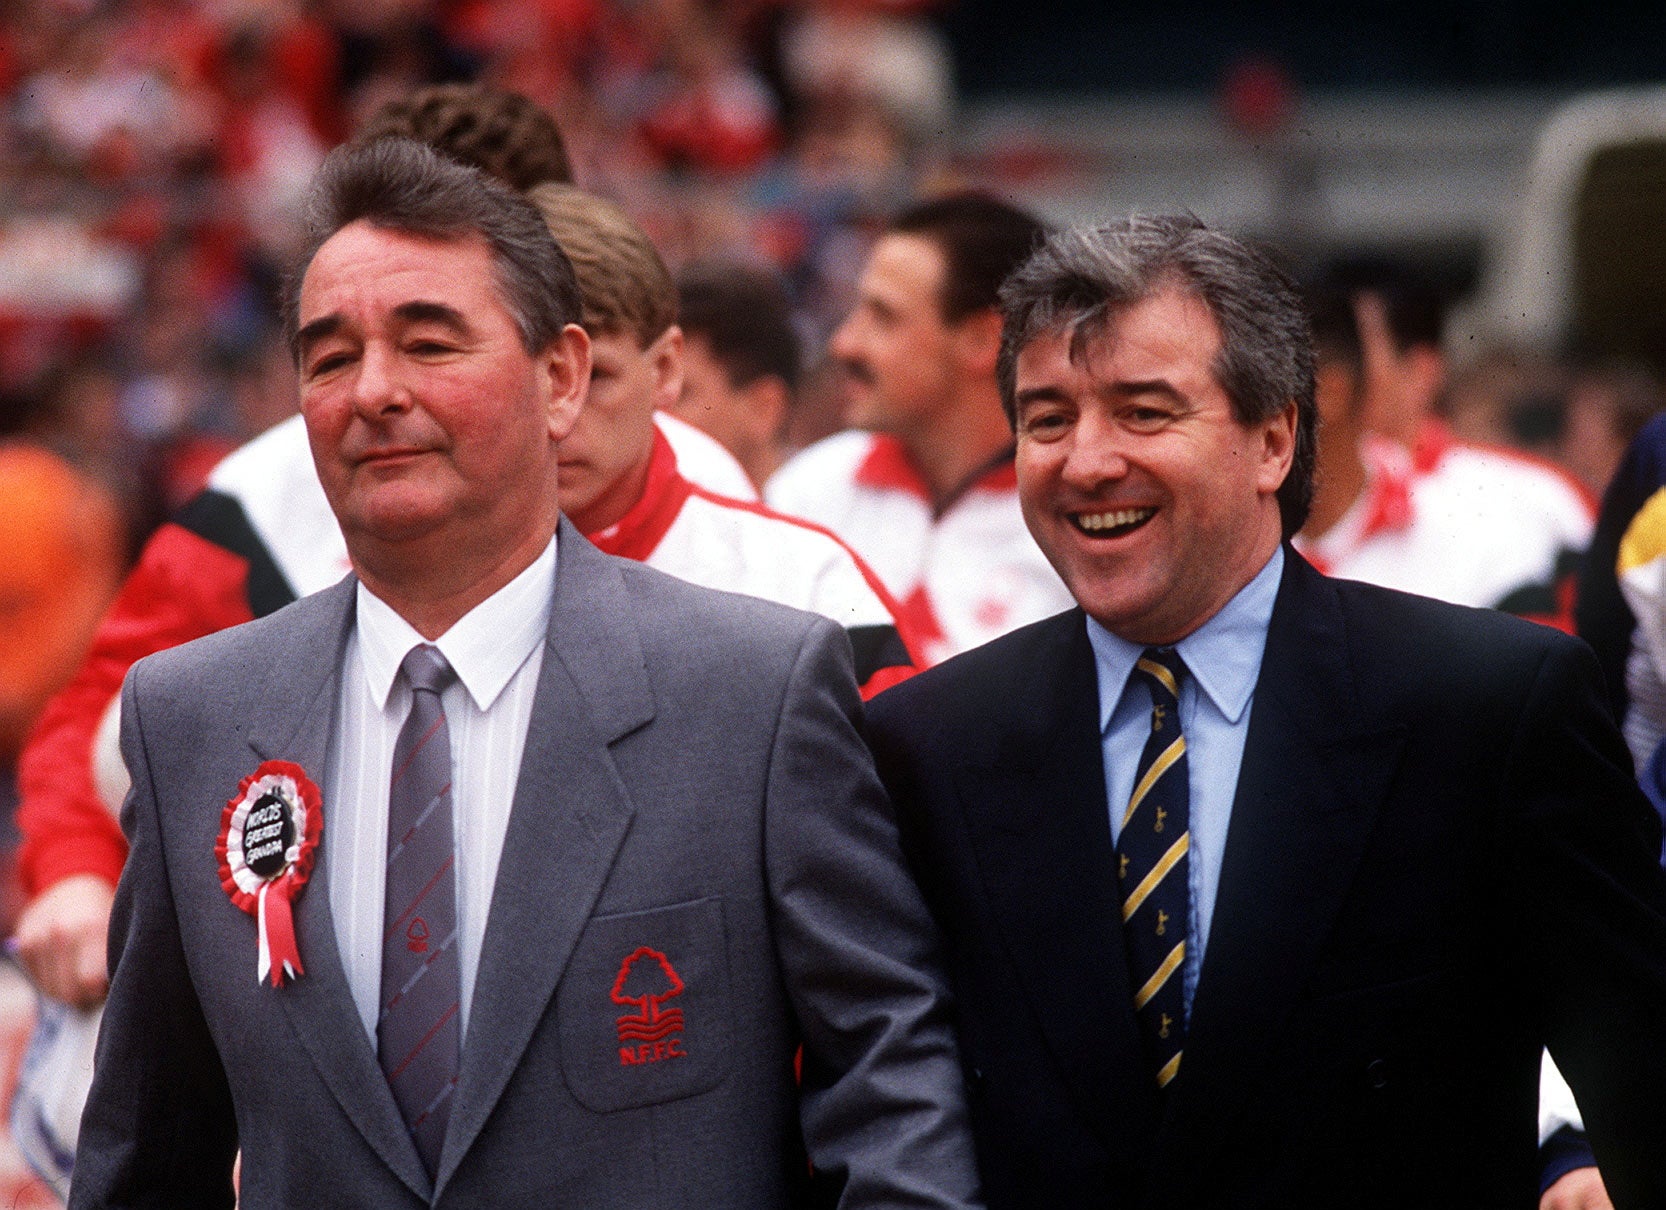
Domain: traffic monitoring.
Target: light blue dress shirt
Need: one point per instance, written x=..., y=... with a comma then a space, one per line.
x=1223, y=660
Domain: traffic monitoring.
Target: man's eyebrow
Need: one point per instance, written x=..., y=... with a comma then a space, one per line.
x=1120, y=389
x=416, y=311
x=318, y=329
x=1047, y=393
x=422, y=311
x=1152, y=386
x=880, y=306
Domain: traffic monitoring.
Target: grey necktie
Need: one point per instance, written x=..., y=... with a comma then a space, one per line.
x=417, y=1035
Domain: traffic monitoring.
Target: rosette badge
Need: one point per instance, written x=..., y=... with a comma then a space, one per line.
x=268, y=839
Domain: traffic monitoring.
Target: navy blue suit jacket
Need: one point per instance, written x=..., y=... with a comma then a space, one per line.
x=1438, y=862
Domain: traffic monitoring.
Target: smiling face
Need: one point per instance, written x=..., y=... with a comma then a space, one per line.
x=432, y=427
x=1151, y=500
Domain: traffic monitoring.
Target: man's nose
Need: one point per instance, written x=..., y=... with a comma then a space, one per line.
x=843, y=344
x=380, y=387
x=1098, y=453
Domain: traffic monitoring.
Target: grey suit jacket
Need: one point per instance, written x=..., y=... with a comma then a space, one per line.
x=694, y=783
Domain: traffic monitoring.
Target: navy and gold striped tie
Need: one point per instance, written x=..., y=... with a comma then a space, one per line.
x=1152, y=876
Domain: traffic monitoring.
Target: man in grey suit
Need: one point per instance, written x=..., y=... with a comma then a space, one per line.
x=589, y=988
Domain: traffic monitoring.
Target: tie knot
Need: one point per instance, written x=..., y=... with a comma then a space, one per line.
x=1163, y=670
x=425, y=668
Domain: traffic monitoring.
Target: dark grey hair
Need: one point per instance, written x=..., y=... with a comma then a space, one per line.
x=405, y=186
x=1081, y=278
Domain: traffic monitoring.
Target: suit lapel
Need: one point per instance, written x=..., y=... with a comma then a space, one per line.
x=297, y=708
x=1313, y=775
x=571, y=813
x=1038, y=824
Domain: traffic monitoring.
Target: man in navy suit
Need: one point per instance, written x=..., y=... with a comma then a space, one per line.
x=1261, y=889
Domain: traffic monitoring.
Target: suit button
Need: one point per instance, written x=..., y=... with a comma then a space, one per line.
x=1376, y=1073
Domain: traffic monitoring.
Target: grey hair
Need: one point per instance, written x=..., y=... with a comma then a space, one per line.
x=1081, y=278
x=402, y=185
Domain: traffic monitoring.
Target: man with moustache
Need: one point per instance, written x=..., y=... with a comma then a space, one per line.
x=924, y=492
x=1260, y=888
x=622, y=482
x=597, y=851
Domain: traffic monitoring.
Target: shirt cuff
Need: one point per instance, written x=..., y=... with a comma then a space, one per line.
x=1561, y=1153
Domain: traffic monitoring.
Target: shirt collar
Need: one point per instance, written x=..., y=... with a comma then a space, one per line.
x=888, y=464
x=1383, y=506
x=638, y=533
x=486, y=646
x=1223, y=655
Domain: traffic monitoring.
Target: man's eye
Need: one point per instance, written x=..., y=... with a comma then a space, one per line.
x=428, y=348
x=1147, y=418
x=327, y=363
x=1046, y=424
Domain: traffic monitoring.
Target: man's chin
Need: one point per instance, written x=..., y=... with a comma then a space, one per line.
x=589, y=505
x=392, y=521
x=391, y=537
x=859, y=412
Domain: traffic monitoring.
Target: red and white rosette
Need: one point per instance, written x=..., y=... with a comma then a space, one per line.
x=268, y=840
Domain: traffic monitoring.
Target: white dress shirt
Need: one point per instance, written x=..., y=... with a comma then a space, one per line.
x=497, y=650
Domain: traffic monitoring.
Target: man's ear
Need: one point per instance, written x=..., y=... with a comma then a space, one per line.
x=767, y=400
x=666, y=357
x=1277, y=449
x=564, y=378
x=978, y=342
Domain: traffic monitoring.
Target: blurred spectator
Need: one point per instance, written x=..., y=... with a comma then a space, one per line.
x=1400, y=318
x=65, y=549
x=80, y=403
x=390, y=48
x=1622, y=597
x=1512, y=397
x=740, y=361
x=541, y=49
x=705, y=109
x=271, y=141
x=624, y=485
x=1580, y=420
x=502, y=133
x=1473, y=529
x=877, y=58
x=1607, y=408
x=1464, y=523
x=63, y=540
x=1357, y=487
x=927, y=493
x=123, y=90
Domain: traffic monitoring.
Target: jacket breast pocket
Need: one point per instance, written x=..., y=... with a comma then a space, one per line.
x=644, y=1007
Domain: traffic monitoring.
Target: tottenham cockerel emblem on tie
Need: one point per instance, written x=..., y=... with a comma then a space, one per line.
x=1152, y=868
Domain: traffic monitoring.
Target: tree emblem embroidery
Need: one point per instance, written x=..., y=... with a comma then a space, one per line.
x=646, y=981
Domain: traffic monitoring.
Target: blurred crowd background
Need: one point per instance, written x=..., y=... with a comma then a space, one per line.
x=1509, y=158
x=152, y=152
